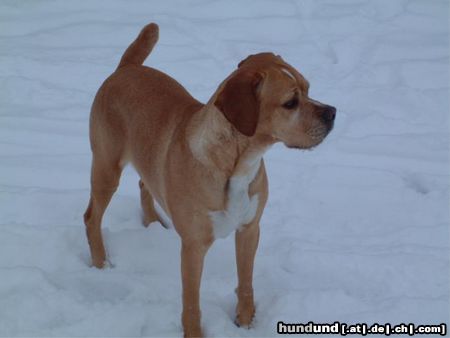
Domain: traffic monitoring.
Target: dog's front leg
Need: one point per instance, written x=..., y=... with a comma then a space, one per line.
x=192, y=257
x=246, y=245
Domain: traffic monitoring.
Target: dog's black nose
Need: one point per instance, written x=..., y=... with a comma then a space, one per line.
x=328, y=113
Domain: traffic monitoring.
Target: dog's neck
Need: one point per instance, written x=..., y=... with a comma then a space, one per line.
x=217, y=144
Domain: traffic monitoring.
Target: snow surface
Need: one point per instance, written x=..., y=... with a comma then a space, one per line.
x=356, y=230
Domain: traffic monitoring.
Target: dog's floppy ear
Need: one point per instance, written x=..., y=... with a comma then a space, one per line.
x=239, y=100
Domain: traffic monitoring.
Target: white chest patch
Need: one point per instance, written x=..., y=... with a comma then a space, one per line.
x=241, y=209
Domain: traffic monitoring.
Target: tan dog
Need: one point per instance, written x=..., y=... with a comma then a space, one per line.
x=202, y=163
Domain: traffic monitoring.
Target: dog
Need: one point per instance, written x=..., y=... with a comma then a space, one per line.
x=201, y=163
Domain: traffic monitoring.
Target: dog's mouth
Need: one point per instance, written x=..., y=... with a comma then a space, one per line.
x=318, y=133
x=315, y=136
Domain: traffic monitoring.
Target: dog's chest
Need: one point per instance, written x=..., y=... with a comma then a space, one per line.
x=241, y=208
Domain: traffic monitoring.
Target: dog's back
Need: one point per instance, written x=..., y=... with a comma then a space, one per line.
x=134, y=90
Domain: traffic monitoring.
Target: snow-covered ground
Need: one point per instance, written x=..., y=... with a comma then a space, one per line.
x=356, y=230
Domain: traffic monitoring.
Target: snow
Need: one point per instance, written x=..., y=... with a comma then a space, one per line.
x=356, y=230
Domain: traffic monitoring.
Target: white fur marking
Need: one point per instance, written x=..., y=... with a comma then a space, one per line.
x=295, y=117
x=197, y=144
x=284, y=70
x=241, y=209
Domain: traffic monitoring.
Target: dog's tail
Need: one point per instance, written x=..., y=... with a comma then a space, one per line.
x=138, y=51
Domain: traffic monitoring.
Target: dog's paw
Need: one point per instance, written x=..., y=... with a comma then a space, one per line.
x=244, y=322
x=244, y=316
x=102, y=264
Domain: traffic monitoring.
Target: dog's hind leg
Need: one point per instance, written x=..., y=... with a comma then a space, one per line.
x=148, y=208
x=105, y=176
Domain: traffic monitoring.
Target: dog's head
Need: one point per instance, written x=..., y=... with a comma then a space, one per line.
x=267, y=96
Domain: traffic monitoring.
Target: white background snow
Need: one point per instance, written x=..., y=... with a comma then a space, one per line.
x=356, y=230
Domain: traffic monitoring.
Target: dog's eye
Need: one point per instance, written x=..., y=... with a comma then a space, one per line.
x=291, y=104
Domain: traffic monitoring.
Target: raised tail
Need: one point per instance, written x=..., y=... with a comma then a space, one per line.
x=138, y=51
